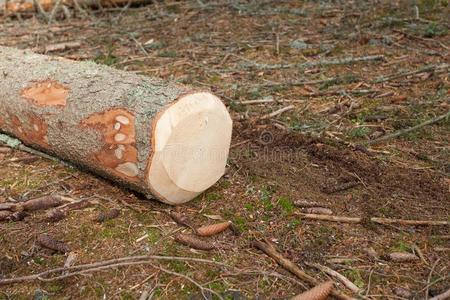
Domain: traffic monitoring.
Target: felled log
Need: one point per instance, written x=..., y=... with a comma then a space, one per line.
x=28, y=6
x=156, y=137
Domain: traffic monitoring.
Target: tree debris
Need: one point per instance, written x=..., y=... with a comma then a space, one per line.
x=344, y=280
x=402, y=257
x=107, y=215
x=377, y=220
x=319, y=292
x=194, y=242
x=50, y=243
x=291, y=267
x=340, y=187
x=213, y=229
x=41, y=203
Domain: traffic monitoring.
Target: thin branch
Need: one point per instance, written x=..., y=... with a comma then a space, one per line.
x=383, y=221
x=407, y=130
x=101, y=265
x=408, y=73
x=310, y=64
x=278, y=112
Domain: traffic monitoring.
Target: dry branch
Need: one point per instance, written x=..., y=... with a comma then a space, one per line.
x=156, y=137
x=408, y=73
x=92, y=267
x=408, y=130
x=443, y=296
x=350, y=285
x=384, y=221
x=291, y=267
x=311, y=64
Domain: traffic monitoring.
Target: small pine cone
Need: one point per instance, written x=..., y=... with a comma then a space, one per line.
x=44, y=202
x=50, y=243
x=193, y=242
x=319, y=292
x=213, y=229
x=5, y=215
x=18, y=216
x=179, y=218
x=402, y=257
x=107, y=215
x=55, y=215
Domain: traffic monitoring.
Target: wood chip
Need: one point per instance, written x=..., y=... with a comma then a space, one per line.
x=213, y=229
x=319, y=292
x=194, y=242
x=50, y=243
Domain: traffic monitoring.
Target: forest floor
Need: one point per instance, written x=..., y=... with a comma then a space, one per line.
x=289, y=54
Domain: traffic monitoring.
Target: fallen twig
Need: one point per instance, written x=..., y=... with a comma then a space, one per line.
x=443, y=296
x=407, y=130
x=291, y=267
x=93, y=267
x=310, y=64
x=350, y=285
x=377, y=220
x=407, y=73
x=278, y=112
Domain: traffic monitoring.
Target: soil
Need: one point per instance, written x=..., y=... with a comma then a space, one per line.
x=316, y=152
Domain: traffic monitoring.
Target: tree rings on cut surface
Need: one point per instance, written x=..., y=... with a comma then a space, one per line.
x=190, y=140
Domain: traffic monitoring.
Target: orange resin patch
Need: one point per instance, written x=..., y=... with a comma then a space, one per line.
x=118, y=153
x=46, y=93
x=33, y=131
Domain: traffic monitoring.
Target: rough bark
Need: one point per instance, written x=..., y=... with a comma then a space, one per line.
x=112, y=122
x=28, y=6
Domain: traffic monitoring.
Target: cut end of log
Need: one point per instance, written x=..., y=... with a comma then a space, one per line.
x=191, y=140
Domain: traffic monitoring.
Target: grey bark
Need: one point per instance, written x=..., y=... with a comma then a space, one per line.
x=92, y=89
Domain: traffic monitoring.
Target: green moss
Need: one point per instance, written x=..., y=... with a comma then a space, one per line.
x=240, y=222
x=359, y=132
x=168, y=53
x=153, y=235
x=401, y=246
x=126, y=295
x=178, y=266
x=354, y=275
x=213, y=196
x=286, y=205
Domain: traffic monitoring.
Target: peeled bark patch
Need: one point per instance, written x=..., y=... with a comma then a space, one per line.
x=46, y=93
x=156, y=137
